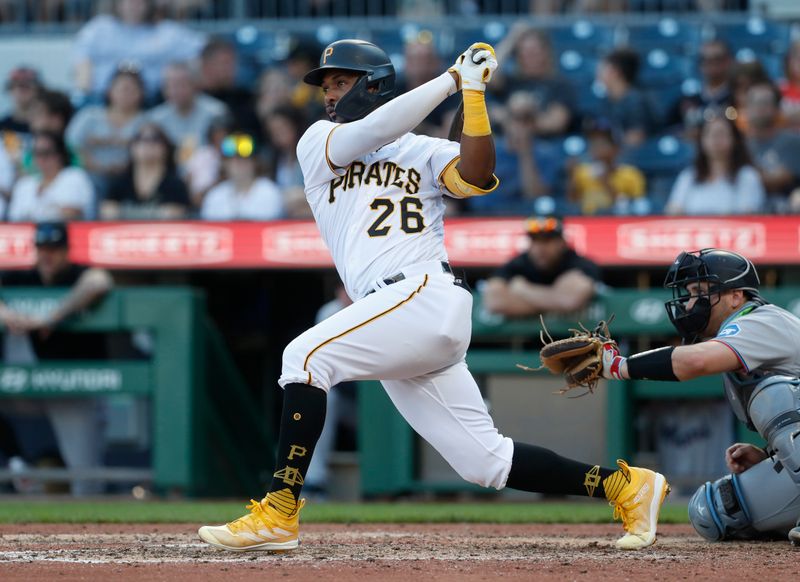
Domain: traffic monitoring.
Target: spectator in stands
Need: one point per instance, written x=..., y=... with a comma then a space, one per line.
x=625, y=108
x=790, y=87
x=130, y=35
x=274, y=90
x=421, y=64
x=527, y=167
x=722, y=179
x=283, y=128
x=7, y=177
x=150, y=188
x=534, y=71
x=304, y=56
x=716, y=61
x=245, y=194
x=58, y=191
x=603, y=185
x=743, y=76
x=549, y=277
x=76, y=422
x=51, y=112
x=204, y=168
x=187, y=114
x=219, y=64
x=23, y=85
x=101, y=134
x=775, y=151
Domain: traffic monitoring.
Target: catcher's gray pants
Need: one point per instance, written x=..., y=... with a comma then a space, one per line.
x=412, y=336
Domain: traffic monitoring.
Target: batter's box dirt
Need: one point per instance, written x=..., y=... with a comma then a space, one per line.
x=461, y=552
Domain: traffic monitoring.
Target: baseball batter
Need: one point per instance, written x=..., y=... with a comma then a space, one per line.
x=756, y=346
x=377, y=191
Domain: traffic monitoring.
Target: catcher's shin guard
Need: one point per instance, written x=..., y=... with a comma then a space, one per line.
x=747, y=505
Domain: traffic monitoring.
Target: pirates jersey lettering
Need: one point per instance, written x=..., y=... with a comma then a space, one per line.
x=382, y=212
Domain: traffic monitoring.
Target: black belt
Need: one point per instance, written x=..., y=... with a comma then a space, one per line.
x=446, y=268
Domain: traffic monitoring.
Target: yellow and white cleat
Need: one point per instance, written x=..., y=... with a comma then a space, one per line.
x=638, y=505
x=264, y=528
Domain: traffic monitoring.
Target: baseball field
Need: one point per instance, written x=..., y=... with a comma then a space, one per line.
x=156, y=540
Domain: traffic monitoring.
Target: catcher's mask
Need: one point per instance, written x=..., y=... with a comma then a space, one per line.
x=720, y=270
x=375, y=85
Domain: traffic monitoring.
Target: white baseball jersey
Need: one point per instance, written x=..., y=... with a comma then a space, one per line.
x=382, y=215
x=382, y=212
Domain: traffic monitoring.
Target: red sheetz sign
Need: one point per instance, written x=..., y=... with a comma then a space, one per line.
x=160, y=245
x=469, y=241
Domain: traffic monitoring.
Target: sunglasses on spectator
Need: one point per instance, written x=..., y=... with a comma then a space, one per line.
x=237, y=145
x=543, y=227
x=21, y=85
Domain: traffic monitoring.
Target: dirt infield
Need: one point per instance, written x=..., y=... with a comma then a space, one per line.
x=462, y=552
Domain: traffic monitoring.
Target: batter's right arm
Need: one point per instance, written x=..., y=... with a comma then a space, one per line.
x=349, y=141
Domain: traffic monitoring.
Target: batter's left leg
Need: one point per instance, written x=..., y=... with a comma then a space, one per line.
x=447, y=410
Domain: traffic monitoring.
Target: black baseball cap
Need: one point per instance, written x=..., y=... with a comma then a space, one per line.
x=51, y=234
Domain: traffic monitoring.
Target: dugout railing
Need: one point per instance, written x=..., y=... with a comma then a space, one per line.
x=209, y=436
x=390, y=451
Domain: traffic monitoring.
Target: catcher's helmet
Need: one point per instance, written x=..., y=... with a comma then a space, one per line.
x=362, y=57
x=721, y=270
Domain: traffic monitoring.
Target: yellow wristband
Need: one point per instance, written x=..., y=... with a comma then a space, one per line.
x=476, y=118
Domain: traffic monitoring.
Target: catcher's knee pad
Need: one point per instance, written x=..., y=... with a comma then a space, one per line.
x=751, y=505
x=774, y=408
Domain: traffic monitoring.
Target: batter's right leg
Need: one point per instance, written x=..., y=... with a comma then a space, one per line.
x=447, y=410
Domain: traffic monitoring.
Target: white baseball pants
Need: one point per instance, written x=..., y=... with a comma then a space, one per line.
x=412, y=336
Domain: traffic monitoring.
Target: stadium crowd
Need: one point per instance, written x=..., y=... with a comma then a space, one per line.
x=165, y=122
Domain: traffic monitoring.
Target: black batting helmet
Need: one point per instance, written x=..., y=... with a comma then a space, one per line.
x=721, y=270
x=360, y=56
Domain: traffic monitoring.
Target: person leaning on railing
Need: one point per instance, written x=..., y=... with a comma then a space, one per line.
x=32, y=338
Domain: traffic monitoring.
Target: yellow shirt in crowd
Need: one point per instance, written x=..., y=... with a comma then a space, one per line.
x=590, y=191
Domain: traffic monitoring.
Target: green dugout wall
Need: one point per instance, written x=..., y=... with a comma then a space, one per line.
x=209, y=433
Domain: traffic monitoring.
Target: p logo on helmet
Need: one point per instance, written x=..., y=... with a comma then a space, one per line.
x=376, y=76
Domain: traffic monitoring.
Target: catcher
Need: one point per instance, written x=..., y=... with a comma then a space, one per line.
x=377, y=195
x=729, y=329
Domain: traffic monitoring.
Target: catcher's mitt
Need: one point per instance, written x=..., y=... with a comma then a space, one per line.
x=578, y=358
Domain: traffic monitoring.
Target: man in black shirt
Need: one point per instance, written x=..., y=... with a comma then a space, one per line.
x=75, y=421
x=549, y=277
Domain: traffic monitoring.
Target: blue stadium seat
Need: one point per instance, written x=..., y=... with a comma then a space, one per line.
x=583, y=36
x=773, y=64
x=755, y=33
x=669, y=34
x=661, y=159
x=574, y=146
x=660, y=69
x=578, y=67
x=660, y=155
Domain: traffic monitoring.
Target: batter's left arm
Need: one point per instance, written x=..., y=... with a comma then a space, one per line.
x=473, y=174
